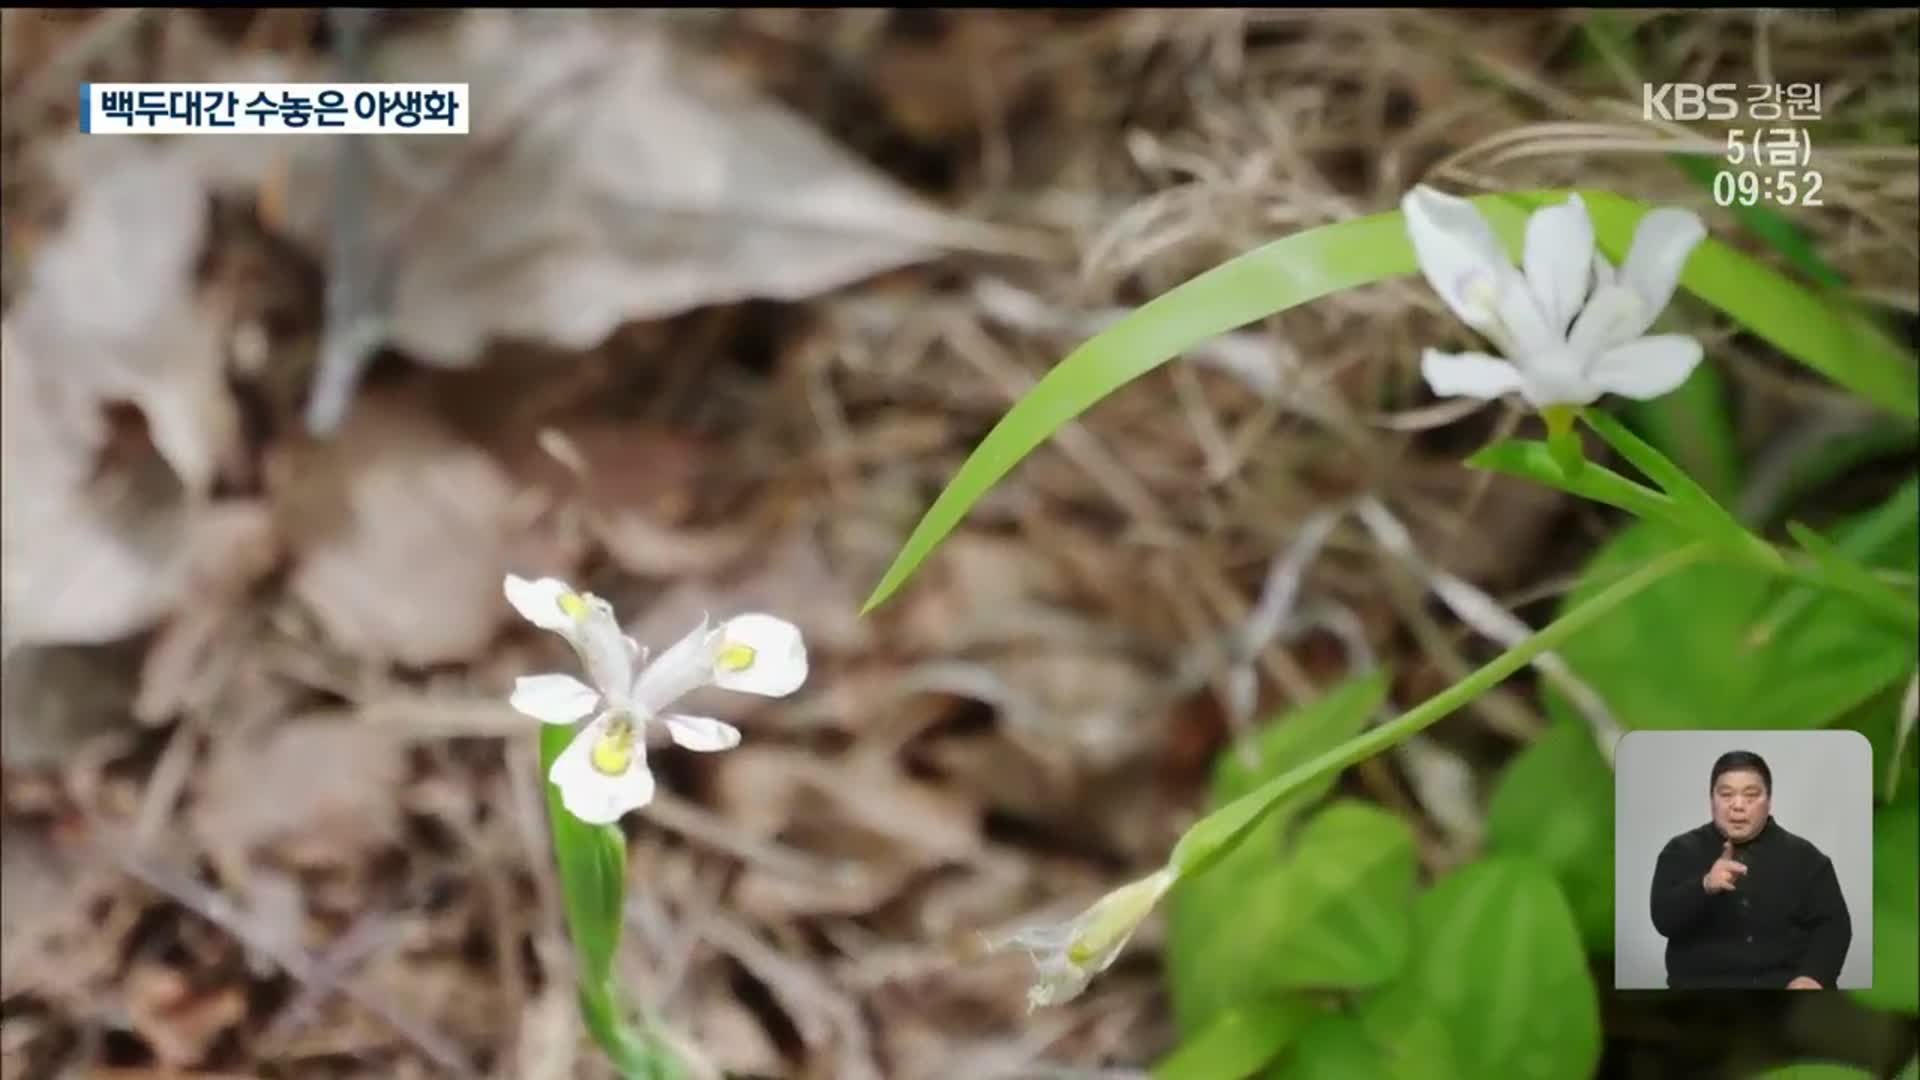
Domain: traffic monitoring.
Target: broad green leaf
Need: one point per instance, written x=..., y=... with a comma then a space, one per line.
x=1498, y=964
x=1700, y=648
x=1412, y=1046
x=1554, y=803
x=1896, y=909
x=1911, y=1072
x=1330, y=914
x=1530, y=460
x=1240, y=1040
x=1208, y=906
x=1815, y=1070
x=1694, y=427
x=1320, y=261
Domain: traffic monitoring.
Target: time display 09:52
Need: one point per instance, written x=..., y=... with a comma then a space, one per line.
x=1785, y=188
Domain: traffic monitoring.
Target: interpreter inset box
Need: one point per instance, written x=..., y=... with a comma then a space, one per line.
x=1743, y=860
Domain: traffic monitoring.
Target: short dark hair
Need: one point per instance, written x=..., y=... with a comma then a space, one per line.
x=1737, y=760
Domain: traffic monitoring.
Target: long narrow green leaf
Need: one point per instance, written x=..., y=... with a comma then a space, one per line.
x=1710, y=520
x=592, y=863
x=1283, y=274
x=1769, y=225
x=1530, y=460
x=1324, y=260
x=1833, y=341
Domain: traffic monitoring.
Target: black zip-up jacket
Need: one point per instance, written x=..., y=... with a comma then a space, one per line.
x=1786, y=917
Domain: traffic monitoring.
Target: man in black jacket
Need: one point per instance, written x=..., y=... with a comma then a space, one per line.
x=1742, y=902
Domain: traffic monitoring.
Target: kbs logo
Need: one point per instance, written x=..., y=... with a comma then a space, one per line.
x=1689, y=101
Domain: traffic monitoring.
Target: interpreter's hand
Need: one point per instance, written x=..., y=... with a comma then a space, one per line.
x=1801, y=982
x=1726, y=872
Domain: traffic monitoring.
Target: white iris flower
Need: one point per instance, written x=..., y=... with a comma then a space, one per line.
x=1568, y=325
x=603, y=774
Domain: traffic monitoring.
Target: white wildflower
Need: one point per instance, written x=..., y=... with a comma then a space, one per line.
x=603, y=772
x=1570, y=327
x=1066, y=956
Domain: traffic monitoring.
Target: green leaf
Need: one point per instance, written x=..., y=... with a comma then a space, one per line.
x=1709, y=520
x=1911, y=1072
x=1238, y=1041
x=1207, y=907
x=1320, y=261
x=592, y=860
x=1269, y=279
x=1330, y=914
x=1530, y=460
x=1554, y=803
x=1694, y=427
x=1769, y=225
x=1408, y=1045
x=1815, y=1070
x=1842, y=573
x=1700, y=649
x=1499, y=966
x=1896, y=909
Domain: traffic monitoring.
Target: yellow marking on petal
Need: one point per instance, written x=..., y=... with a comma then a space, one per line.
x=613, y=750
x=573, y=605
x=736, y=657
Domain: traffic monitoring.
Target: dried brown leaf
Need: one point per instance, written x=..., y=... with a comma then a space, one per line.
x=112, y=305
x=54, y=698
x=399, y=534
x=621, y=181
x=864, y=810
x=317, y=792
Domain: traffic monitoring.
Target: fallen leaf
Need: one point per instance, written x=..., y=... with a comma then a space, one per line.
x=316, y=792
x=112, y=306
x=863, y=812
x=53, y=698
x=981, y=590
x=608, y=178
x=84, y=559
x=234, y=546
x=399, y=534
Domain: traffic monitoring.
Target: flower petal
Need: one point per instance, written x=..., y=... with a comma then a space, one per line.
x=701, y=733
x=1474, y=375
x=605, y=650
x=682, y=669
x=1614, y=316
x=760, y=654
x=594, y=796
x=554, y=699
x=1458, y=252
x=1661, y=245
x=538, y=601
x=1559, y=261
x=1647, y=367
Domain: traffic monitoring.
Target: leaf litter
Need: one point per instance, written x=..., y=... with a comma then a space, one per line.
x=703, y=314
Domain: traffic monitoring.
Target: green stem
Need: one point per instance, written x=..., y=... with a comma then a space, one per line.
x=1219, y=831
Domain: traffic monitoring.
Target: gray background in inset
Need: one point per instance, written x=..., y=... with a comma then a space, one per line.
x=1822, y=791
